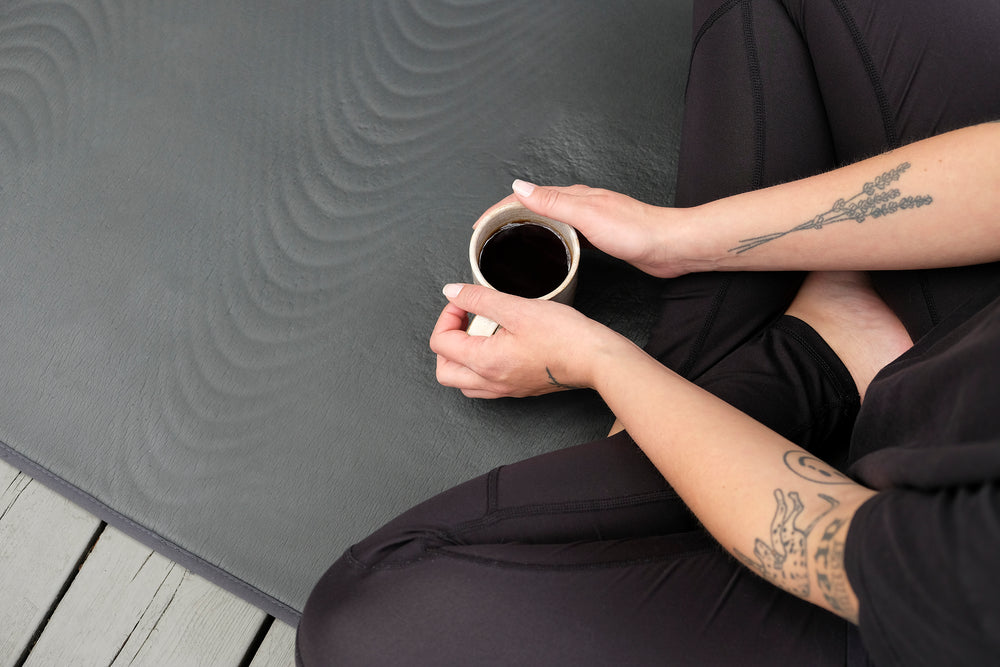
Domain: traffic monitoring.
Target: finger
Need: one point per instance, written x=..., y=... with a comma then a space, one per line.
x=471, y=384
x=500, y=307
x=473, y=393
x=449, y=333
x=579, y=206
x=453, y=374
x=513, y=198
x=475, y=357
x=561, y=203
x=461, y=349
x=584, y=242
x=449, y=338
x=451, y=319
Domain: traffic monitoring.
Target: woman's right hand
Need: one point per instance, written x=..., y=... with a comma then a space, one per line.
x=643, y=235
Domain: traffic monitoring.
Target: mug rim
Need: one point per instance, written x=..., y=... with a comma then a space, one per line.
x=505, y=214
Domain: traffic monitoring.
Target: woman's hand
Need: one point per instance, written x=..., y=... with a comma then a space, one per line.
x=646, y=236
x=542, y=346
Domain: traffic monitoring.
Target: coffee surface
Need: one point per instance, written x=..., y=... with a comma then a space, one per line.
x=525, y=259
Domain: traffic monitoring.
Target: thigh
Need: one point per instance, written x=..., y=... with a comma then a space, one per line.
x=685, y=603
x=583, y=556
x=782, y=89
x=892, y=72
x=789, y=379
x=606, y=489
x=753, y=117
x=754, y=113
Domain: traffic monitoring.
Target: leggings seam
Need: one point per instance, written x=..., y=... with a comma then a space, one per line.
x=575, y=507
x=817, y=357
x=567, y=567
x=929, y=303
x=710, y=21
x=454, y=536
x=843, y=396
x=706, y=328
x=888, y=124
x=492, y=490
x=437, y=551
x=757, y=94
x=705, y=27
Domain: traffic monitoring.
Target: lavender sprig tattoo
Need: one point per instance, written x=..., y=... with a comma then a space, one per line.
x=874, y=201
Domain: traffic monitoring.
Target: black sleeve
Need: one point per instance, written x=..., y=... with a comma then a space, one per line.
x=925, y=566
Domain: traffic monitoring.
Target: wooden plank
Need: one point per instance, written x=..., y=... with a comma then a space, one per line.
x=278, y=648
x=42, y=538
x=7, y=474
x=132, y=606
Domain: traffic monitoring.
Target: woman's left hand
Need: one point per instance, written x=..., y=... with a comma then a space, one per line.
x=542, y=346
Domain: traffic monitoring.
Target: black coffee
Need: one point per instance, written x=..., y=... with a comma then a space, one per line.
x=525, y=258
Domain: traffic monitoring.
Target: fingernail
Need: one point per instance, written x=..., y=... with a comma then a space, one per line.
x=523, y=188
x=451, y=290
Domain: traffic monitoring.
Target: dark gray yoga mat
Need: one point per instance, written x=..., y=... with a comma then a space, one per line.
x=224, y=226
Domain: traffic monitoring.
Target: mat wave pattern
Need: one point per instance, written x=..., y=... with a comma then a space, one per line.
x=224, y=225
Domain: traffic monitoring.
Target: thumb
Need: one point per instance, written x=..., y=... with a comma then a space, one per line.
x=553, y=202
x=578, y=206
x=484, y=301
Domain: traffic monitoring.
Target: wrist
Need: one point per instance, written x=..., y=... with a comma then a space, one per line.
x=608, y=359
x=694, y=239
x=574, y=358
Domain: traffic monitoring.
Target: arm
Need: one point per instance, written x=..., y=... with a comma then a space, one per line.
x=929, y=204
x=782, y=512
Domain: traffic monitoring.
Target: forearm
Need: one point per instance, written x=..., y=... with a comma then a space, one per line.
x=780, y=511
x=929, y=204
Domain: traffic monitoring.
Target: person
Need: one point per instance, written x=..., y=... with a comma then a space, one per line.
x=713, y=529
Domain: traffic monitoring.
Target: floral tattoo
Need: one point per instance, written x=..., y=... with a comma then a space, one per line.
x=874, y=201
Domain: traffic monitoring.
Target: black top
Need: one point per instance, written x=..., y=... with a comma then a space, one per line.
x=923, y=555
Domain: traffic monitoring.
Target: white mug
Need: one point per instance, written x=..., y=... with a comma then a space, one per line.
x=508, y=214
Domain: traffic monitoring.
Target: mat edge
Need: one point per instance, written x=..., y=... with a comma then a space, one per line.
x=196, y=564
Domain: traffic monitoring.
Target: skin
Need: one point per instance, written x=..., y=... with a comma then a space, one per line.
x=781, y=512
x=957, y=171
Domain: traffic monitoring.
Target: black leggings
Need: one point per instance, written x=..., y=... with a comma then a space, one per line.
x=586, y=555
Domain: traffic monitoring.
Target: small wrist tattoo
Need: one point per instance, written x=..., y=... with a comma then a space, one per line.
x=556, y=383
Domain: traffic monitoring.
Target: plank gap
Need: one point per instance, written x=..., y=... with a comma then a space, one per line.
x=258, y=639
x=19, y=478
x=60, y=595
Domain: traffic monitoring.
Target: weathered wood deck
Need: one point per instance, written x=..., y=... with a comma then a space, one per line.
x=74, y=591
